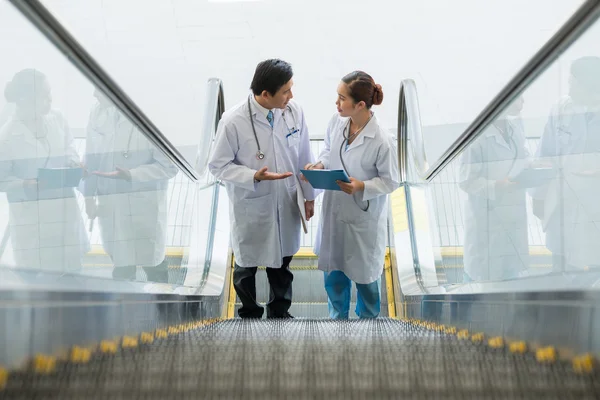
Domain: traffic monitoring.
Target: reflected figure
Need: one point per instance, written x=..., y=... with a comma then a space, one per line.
x=568, y=206
x=496, y=245
x=46, y=227
x=126, y=190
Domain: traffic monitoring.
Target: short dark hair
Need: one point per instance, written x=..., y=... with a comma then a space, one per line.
x=271, y=75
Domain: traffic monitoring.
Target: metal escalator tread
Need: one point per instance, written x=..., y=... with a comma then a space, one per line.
x=308, y=359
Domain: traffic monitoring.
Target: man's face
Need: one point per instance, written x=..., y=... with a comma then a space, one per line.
x=281, y=98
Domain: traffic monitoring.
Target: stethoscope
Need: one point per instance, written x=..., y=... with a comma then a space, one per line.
x=259, y=154
x=126, y=152
x=347, y=140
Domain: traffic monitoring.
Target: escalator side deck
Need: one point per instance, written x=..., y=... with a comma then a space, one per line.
x=306, y=359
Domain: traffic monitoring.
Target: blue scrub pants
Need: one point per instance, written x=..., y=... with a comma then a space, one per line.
x=338, y=287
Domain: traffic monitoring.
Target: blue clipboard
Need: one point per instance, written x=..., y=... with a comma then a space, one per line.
x=55, y=178
x=325, y=178
x=534, y=177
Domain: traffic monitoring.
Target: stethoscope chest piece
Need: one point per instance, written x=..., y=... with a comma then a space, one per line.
x=260, y=155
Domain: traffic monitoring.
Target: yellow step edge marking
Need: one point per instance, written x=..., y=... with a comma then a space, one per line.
x=478, y=337
x=519, y=347
x=232, y=295
x=3, y=378
x=161, y=334
x=147, y=337
x=43, y=364
x=455, y=251
x=546, y=354
x=451, y=330
x=108, y=346
x=389, y=285
x=463, y=334
x=129, y=342
x=80, y=355
x=584, y=364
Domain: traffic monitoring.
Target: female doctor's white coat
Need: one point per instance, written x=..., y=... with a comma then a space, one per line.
x=265, y=220
x=349, y=239
x=132, y=215
x=46, y=226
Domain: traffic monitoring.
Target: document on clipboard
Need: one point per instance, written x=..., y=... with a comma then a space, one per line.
x=325, y=178
x=55, y=178
x=300, y=202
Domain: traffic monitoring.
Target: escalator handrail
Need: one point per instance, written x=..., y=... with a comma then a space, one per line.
x=409, y=129
x=215, y=107
x=563, y=38
x=58, y=35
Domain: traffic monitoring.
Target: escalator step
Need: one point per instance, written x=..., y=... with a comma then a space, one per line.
x=308, y=359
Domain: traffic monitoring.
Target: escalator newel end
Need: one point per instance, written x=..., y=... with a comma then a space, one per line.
x=3, y=378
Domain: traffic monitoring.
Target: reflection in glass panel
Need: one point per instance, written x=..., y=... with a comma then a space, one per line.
x=522, y=199
x=83, y=190
x=126, y=192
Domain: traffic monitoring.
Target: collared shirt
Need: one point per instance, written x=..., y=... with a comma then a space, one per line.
x=260, y=108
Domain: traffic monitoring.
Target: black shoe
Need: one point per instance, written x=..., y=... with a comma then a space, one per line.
x=285, y=315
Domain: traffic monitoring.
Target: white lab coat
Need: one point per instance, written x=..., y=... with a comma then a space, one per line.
x=349, y=239
x=132, y=215
x=496, y=241
x=265, y=220
x=46, y=227
x=571, y=142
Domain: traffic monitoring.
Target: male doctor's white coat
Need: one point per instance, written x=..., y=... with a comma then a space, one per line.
x=265, y=220
x=349, y=239
x=132, y=214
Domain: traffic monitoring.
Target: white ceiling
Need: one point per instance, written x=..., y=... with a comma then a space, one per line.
x=162, y=51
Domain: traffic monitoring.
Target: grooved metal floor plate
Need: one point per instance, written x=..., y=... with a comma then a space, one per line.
x=308, y=359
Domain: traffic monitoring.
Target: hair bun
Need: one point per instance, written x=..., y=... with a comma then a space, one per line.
x=10, y=92
x=377, y=94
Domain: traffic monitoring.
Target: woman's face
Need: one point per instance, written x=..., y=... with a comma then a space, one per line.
x=37, y=101
x=345, y=104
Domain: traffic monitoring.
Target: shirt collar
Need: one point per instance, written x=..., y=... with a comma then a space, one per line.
x=263, y=110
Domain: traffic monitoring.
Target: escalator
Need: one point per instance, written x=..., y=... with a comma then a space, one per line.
x=310, y=359
x=69, y=336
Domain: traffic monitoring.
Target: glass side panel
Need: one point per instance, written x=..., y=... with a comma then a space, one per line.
x=82, y=191
x=522, y=199
x=460, y=53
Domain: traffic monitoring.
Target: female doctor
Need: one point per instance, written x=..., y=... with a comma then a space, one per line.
x=127, y=191
x=46, y=227
x=351, y=239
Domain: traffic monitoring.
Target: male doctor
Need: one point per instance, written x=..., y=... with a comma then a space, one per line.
x=261, y=145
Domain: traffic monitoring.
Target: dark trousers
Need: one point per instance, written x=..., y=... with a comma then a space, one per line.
x=280, y=296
